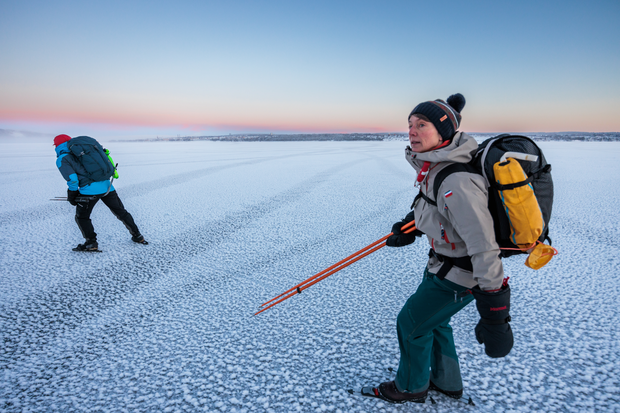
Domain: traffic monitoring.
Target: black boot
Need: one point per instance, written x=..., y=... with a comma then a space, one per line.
x=390, y=393
x=456, y=394
x=139, y=239
x=88, y=245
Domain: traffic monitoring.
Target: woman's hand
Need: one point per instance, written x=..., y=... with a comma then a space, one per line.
x=398, y=237
x=493, y=329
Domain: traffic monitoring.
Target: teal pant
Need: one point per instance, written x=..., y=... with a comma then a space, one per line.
x=425, y=338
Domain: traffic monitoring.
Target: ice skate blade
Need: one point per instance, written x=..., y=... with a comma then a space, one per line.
x=373, y=392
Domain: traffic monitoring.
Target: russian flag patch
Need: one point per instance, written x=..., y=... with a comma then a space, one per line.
x=447, y=194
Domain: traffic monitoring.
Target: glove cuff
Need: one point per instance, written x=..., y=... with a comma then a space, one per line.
x=478, y=293
x=493, y=306
x=490, y=322
x=409, y=217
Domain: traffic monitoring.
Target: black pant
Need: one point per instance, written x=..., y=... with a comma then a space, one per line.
x=85, y=206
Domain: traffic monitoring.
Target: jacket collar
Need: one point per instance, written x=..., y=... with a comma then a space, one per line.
x=460, y=150
x=62, y=148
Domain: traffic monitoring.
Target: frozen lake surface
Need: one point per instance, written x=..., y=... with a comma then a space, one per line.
x=169, y=326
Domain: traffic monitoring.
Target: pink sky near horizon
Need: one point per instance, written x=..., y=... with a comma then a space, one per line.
x=473, y=121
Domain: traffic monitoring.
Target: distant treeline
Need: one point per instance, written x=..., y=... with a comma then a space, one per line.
x=561, y=136
x=293, y=137
x=594, y=137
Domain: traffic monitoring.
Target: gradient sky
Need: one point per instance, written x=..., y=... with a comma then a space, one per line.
x=211, y=67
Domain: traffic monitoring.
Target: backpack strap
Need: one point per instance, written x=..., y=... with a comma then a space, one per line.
x=449, y=262
x=424, y=197
x=507, y=187
x=448, y=170
x=415, y=200
x=441, y=175
x=483, y=157
x=534, y=175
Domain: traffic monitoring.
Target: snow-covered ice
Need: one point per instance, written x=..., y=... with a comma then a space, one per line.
x=169, y=326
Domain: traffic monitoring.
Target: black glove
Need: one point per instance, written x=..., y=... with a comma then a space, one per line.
x=493, y=329
x=71, y=196
x=399, y=238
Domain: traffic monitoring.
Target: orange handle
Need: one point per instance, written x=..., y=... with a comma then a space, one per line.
x=410, y=227
x=338, y=263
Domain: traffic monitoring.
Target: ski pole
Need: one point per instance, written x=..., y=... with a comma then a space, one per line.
x=334, y=269
x=337, y=264
x=298, y=290
x=78, y=199
x=64, y=198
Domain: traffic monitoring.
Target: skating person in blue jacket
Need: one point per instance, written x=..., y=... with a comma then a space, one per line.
x=84, y=195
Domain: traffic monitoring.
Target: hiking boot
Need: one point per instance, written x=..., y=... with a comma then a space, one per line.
x=455, y=394
x=88, y=245
x=139, y=239
x=390, y=393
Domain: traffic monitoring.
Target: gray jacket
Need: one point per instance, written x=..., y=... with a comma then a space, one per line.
x=461, y=223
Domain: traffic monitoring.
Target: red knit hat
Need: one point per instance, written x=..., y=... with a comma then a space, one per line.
x=61, y=139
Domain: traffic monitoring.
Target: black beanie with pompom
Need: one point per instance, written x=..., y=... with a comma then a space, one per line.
x=445, y=116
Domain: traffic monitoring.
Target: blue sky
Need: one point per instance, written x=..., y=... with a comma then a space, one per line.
x=203, y=67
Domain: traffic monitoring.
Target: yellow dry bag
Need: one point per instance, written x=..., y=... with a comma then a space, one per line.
x=522, y=209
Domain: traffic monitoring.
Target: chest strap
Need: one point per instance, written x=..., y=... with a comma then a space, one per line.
x=449, y=262
x=424, y=197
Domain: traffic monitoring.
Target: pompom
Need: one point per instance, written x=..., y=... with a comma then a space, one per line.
x=457, y=101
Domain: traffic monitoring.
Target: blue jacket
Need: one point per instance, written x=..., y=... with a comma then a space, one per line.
x=74, y=173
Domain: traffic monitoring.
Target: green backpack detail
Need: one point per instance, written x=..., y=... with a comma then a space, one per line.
x=107, y=152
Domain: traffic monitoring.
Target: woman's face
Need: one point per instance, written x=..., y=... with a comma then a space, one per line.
x=423, y=135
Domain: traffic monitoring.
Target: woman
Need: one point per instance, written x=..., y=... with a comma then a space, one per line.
x=463, y=263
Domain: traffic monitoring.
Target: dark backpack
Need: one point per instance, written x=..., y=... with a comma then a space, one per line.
x=539, y=176
x=90, y=154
